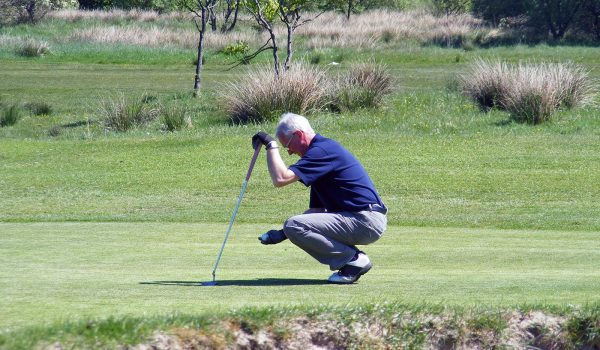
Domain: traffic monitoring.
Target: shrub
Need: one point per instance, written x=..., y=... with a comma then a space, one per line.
x=260, y=96
x=32, y=48
x=121, y=113
x=175, y=118
x=39, y=108
x=364, y=86
x=529, y=92
x=55, y=131
x=9, y=115
x=448, y=7
x=240, y=48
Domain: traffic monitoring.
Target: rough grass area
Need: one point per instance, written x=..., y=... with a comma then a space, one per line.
x=368, y=326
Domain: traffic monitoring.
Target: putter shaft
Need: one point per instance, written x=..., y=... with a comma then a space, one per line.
x=237, y=206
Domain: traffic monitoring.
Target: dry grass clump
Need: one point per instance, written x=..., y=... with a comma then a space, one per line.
x=530, y=92
x=116, y=15
x=363, y=86
x=156, y=36
x=485, y=83
x=260, y=96
x=32, y=48
x=373, y=27
x=25, y=46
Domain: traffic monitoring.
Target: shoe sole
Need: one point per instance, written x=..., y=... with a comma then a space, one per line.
x=362, y=272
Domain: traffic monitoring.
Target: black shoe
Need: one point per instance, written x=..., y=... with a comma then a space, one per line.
x=272, y=237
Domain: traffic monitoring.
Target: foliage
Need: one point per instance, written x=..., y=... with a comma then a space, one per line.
x=495, y=10
x=30, y=11
x=9, y=114
x=8, y=12
x=587, y=21
x=240, y=48
x=269, y=9
x=542, y=17
x=556, y=16
x=446, y=7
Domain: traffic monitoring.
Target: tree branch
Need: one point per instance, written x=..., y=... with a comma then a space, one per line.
x=251, y=56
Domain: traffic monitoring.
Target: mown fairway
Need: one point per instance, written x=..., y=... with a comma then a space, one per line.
x=69, y=271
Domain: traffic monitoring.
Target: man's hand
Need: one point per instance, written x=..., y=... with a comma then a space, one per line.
x=262, y=137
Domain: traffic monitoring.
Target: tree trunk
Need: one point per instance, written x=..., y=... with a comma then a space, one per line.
x=212, y=19
x=197, y=78
x=275, y=49
x=226, y=27
x=288, y=57
x=349, y=10
x=235, y=16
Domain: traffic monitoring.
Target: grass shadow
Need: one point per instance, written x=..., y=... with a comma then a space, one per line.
x=259, y=282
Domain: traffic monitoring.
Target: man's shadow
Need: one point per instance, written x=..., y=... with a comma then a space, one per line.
x=259, y=282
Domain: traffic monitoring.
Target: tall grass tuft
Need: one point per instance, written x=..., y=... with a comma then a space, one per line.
x=122, y=113
x=363, y=86
x=9, y=115
x=485, y=82
x=32, y=48
x=530, y=92
x=176, y=118
x=533, y=94
x=260, y=96
x=39, y=108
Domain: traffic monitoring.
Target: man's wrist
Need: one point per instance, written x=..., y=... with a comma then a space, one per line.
x=271, y=145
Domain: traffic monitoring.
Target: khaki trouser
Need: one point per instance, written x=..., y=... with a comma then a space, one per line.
x=331, y=237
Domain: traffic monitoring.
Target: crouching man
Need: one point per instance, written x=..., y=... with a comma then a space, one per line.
x=344, y=211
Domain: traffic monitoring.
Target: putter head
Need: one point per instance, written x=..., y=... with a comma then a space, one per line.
x=209, y=284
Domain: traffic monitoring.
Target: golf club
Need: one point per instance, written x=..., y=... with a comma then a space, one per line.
x=256, y=151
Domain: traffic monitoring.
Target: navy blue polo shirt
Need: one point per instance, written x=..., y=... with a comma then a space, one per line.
x=337, y=180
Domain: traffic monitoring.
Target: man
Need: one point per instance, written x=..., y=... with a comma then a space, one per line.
x=345, y=210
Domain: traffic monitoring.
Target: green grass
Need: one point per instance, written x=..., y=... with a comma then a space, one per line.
x=508, y=179
x=98, y=270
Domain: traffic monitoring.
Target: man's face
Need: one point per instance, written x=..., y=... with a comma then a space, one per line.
x=293, y=143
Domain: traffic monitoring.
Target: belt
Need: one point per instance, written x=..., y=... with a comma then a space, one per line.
x=377, y=208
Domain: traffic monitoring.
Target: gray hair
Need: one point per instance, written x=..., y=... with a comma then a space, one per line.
x=291, y=122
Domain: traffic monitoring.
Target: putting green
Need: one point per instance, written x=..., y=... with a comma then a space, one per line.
x=68, y=271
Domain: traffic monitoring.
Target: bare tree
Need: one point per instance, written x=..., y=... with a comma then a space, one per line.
x=201, y=10
x=233, y=7
x=289, y=12
x=264, y=16
x=212, y=19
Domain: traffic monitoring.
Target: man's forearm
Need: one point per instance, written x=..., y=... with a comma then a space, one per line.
x=280, y=174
